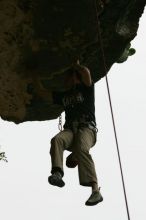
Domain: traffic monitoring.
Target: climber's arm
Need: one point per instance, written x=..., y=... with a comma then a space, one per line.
x=84, y=73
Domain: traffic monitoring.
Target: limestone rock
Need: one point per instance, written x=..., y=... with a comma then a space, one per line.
x=39, y=39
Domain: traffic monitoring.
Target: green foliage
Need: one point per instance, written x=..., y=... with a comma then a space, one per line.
x=3, y=157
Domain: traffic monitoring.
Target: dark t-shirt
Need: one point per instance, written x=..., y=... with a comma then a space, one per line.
x=78, y=102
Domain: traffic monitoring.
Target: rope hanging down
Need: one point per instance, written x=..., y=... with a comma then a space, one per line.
x=111, y=108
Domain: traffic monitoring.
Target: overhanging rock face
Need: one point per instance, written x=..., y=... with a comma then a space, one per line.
x=39, y=39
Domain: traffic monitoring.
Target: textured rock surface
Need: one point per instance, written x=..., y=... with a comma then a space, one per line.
x=39, y=39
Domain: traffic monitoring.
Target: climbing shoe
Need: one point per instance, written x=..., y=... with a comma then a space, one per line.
x=56, y=179
x=94, y=199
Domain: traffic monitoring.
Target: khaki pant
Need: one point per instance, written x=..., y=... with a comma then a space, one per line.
x=79, y=143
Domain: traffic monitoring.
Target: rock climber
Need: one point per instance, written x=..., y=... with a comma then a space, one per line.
x=79, y=133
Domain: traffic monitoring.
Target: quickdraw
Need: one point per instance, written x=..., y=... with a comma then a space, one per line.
x=60, y=123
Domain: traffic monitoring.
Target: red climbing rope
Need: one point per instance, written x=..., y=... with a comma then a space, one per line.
x=111, y=108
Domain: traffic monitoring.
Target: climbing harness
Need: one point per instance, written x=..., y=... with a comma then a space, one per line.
x=60, y=123
x=111, y=108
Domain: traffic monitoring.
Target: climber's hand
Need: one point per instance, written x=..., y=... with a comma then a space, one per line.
x=84, y=72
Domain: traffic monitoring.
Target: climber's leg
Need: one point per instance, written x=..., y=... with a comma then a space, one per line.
x=84, y=140
x=59, y=143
